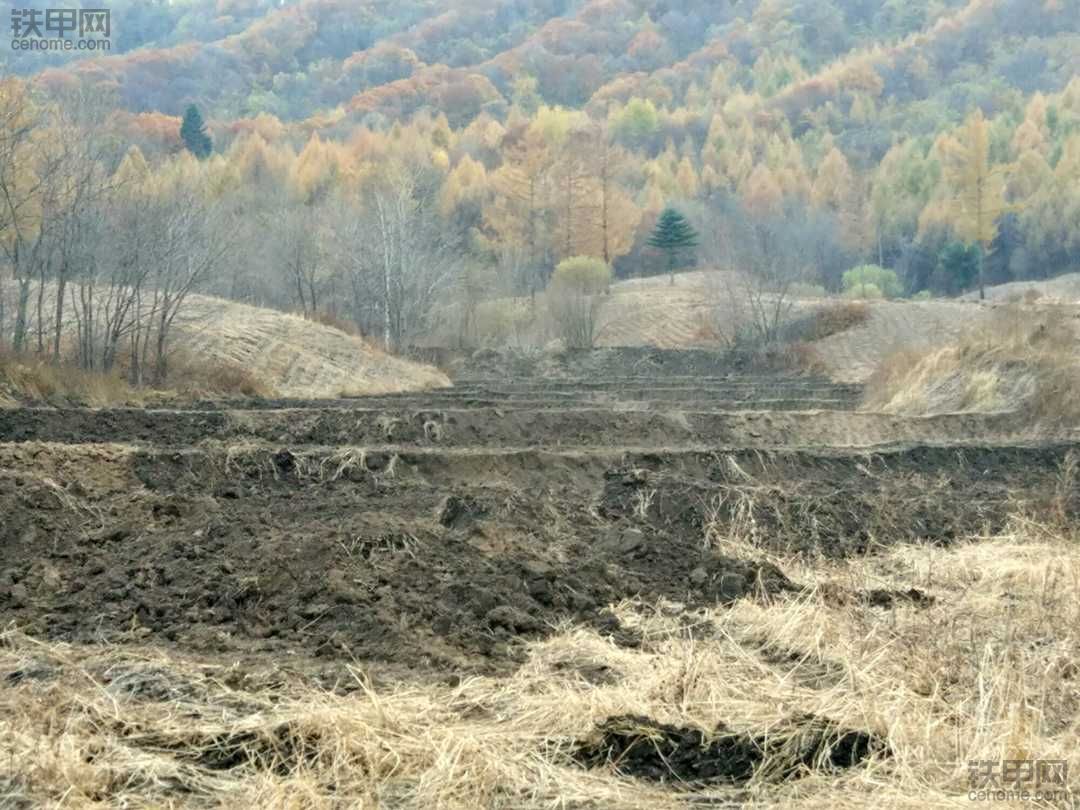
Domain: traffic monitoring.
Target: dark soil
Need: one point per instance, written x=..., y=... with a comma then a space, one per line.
x=688, y=757
x=448, y=540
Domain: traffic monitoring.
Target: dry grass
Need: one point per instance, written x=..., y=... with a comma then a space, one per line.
x=194, y=376
x=1022, y=360
x=989, y=672
x=224, y=342
x=335, y=321
x=25, y=378
x=296, y=356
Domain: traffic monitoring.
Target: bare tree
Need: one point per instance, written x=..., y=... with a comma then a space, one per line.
x=30, y=170
x=765, y=255
x=397, y=252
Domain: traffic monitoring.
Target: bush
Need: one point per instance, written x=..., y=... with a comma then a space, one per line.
x=335, y=321
x=871, y=281
x=865, y=292
x=502, y=322
x=581, y=274
x=194, y=376
x=573, y=298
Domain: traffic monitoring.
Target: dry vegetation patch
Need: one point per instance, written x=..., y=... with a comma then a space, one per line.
x=28, y=379
x=987, y=671
x=25, y=378
x=1022, y=359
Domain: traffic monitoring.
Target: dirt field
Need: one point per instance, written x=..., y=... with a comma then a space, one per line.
x=627, y=578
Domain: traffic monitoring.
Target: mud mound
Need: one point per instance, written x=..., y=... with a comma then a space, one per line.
x=642, y=748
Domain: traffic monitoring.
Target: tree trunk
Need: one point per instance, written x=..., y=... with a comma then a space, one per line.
x=982, y=266
x=41, y=314
x=58, y=326
x=22, y=305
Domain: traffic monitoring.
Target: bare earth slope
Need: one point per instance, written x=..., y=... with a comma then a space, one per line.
x=652, y=312
x=297, y=357
x=290, y=355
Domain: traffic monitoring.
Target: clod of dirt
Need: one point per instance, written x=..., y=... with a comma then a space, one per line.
x=33, y=671
x=456, y=509
x=884, y=598
x=639, y=747
x=284, y=461
x=591, y=672
x=607, y=624
x=875, y=597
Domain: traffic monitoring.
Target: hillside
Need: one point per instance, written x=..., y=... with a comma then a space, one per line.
x=702, y=308
x=298, y=357
x=309, y=57
x=272, y=353
x=382, y=165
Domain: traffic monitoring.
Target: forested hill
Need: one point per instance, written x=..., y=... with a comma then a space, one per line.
x=297, y=59
x=801, y=137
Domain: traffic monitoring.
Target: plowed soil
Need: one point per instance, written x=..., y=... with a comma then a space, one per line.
x=436, y=531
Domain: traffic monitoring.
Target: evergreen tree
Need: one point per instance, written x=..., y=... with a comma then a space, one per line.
x=672, y=234
x=193, y=134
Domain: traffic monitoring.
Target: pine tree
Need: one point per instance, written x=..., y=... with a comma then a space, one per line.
x=673, y=234
x=193, y=134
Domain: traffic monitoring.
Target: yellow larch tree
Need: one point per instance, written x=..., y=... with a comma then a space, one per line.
x=977, y=187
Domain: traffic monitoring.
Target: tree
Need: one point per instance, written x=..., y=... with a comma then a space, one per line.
x=637, y=123
x=518, y=217
x=615, y=217
x=397, y=251
x=672, y=235
x=979, y=188
x=193, y=133
x=958, y=266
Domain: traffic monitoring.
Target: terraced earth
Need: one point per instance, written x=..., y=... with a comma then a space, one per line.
x=435, y=530
x=432, y=534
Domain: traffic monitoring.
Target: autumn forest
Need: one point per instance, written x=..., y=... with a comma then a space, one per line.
x=384, y=164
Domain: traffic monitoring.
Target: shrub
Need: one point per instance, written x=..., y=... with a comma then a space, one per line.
x=502, y=322
x=865, y=292
x=825, y=321
x=573, y=298
x=335, y=321
x=581, y=274
x=871, y=281
x=194, y=376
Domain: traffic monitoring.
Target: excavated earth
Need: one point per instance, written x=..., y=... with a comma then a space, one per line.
x=435, y=531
